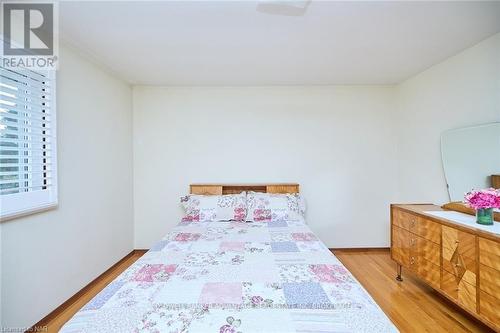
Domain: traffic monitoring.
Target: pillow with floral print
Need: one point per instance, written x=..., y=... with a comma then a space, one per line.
x=268, y=207
x=200, y=208
x=298, y=206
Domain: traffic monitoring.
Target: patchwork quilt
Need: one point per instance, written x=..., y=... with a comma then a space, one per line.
x=234, y=277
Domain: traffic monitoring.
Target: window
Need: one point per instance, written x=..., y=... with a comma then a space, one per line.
x=28, y=174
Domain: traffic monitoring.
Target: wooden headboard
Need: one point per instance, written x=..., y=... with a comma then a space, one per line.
x=238, y=188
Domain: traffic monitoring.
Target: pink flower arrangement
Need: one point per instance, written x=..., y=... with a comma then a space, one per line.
x=481, y=199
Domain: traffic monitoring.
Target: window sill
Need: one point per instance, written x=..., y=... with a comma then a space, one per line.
x=28, y=212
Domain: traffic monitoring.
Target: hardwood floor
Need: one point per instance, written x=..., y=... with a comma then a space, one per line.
x=54, y=323
x=411, y=305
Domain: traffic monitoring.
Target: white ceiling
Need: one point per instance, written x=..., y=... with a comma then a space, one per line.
x=231, y=43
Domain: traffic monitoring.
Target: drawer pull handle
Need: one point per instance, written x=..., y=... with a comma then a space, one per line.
x=457, y=241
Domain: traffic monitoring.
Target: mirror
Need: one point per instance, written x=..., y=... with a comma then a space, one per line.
x=471, y=159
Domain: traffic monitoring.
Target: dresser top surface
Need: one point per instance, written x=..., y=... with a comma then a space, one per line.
x=419, y=208
x=466, y=220
x=454, y=219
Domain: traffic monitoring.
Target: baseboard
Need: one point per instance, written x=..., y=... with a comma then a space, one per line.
x=358, y=249
x=45, y=320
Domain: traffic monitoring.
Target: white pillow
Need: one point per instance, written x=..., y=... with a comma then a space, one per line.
x=267, y=207
x=200, y=208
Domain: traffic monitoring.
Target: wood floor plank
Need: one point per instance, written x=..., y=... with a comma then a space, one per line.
x=411, y=305
x=55, y=324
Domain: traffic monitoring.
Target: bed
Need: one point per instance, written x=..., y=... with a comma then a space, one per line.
x=232, y=277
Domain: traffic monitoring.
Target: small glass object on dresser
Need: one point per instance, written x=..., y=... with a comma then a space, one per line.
x=483, y=201
x=484, y=216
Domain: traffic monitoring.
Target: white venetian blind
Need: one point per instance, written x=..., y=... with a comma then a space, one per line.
x=27, y=141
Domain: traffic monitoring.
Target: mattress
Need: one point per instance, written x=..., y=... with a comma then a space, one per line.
x=231, y=277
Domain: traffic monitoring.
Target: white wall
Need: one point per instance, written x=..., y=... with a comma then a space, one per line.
x=461, y=91
x=48, y=257
x=337, y=142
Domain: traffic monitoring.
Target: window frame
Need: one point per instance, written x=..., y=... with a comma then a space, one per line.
x=26, y=203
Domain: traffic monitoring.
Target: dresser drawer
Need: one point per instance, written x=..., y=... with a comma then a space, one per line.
x=459, y=254
x=461, y=291
x=403, y=219
x=428, y=230
x=428, y=271
x=460, y=266
x=489, y=308
x=428, y=250
x=489, y=281
x=400, y=249
x=464, y=242
x=489, y=253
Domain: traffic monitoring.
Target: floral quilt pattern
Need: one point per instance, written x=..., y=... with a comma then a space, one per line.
x=229, y=277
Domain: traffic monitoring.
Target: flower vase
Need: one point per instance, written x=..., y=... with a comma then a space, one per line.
x=484, y=216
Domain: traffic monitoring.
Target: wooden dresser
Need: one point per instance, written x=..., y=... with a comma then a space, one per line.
x=459, y=261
